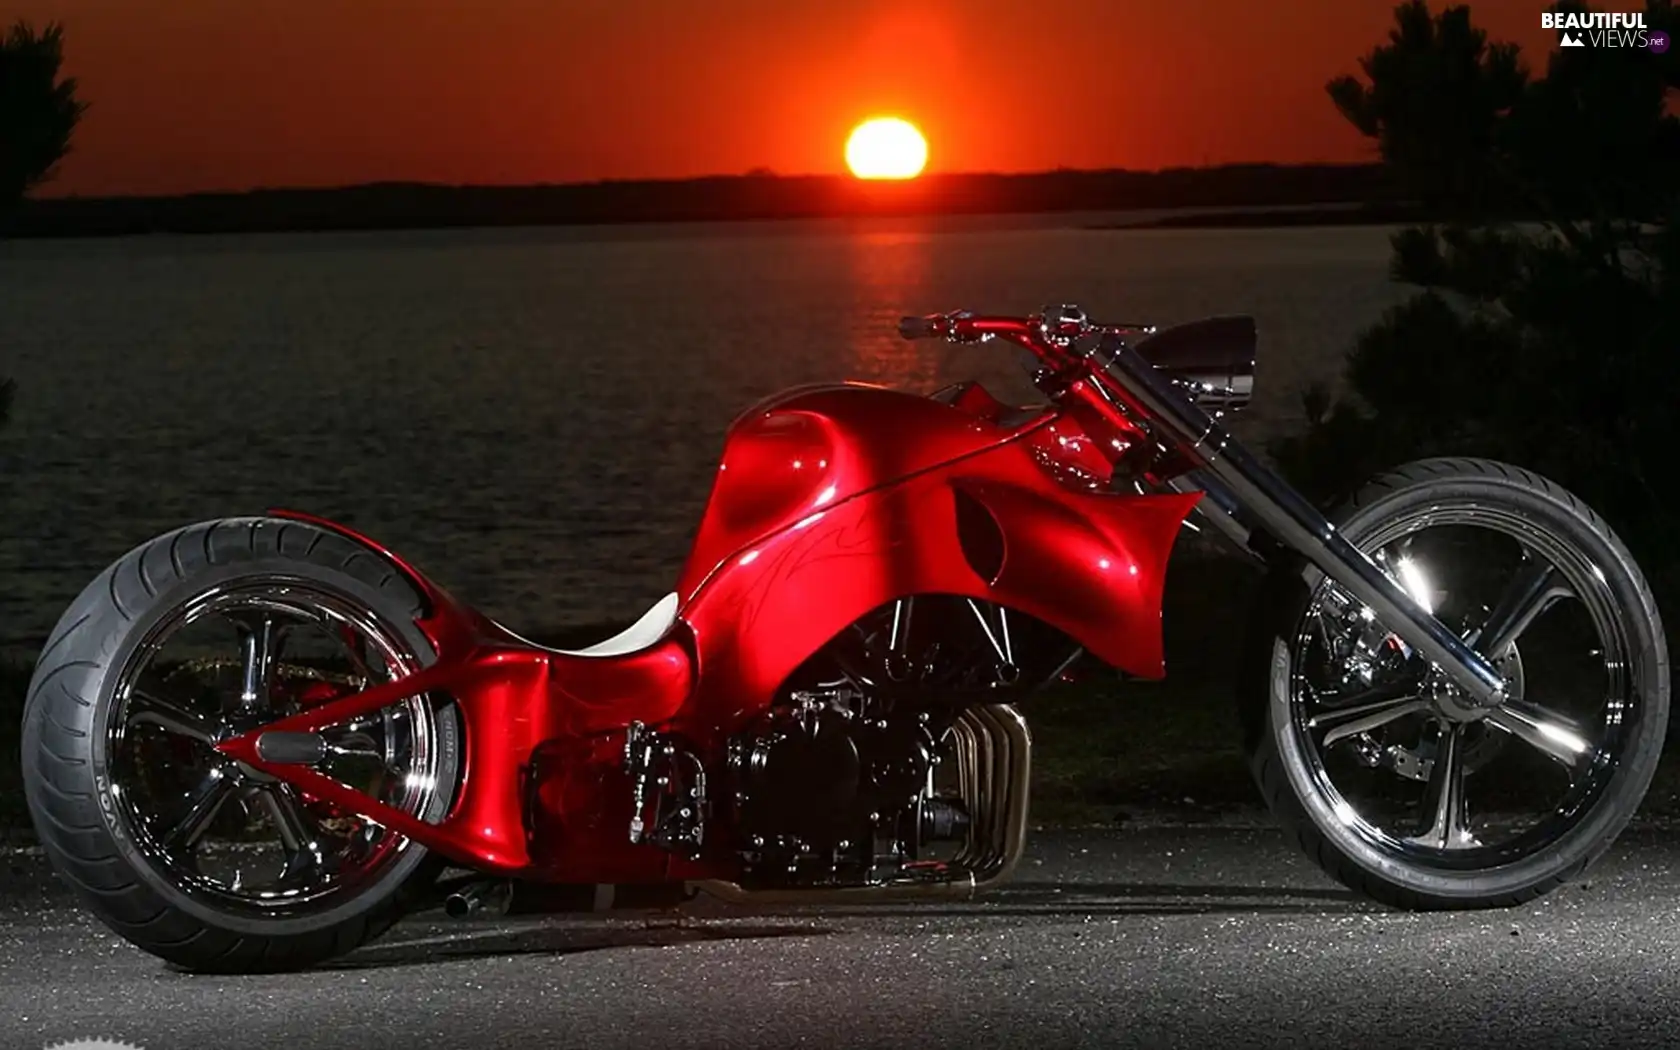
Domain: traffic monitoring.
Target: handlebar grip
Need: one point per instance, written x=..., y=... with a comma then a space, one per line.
x=918, y=327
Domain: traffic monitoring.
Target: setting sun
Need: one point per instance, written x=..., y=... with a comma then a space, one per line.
x=886, y=148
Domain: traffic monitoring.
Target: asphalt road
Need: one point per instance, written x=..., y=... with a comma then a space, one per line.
x=1214, y=938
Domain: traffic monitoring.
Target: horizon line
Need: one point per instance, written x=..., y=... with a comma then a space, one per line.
x=751, y=173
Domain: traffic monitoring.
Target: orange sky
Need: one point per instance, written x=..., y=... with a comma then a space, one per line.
x=229, y=94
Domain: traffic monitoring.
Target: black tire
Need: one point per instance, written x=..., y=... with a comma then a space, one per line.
x=1284, y=774
x=65, y=774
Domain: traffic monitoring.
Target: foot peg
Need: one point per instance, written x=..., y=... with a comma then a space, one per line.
x=669, y=785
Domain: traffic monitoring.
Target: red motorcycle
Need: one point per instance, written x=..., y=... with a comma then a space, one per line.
x=254, y=743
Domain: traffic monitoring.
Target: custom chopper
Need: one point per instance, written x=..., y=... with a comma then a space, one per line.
x=252, y=744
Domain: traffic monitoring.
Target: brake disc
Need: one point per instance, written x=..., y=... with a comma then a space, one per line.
x=1407, y=748
x=1415, y=759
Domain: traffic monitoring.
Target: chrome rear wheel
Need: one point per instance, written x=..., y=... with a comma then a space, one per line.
x=229, y=661
x=206, y=633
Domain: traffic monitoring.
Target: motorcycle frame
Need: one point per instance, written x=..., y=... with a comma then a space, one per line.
x=544, y=795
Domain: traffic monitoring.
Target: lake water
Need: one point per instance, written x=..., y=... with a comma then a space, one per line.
x=533, y=415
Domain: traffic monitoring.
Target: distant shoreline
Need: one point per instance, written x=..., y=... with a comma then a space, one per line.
x=1277, y=218
x=1234, y=195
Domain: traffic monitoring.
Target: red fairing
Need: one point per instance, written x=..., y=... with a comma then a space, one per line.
x=1090, y=565
x=1068, y=454
x=829, y=502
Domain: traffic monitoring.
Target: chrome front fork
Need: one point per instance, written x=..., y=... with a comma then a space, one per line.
x=1240, y=488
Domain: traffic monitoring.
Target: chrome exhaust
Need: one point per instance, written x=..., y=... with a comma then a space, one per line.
x=994, y=769
x=1289, y=518
x=994, y=765
x=490, y=896
x=504, y=897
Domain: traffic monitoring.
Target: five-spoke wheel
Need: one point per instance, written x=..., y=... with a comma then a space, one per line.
x=205, y=634
x=1418, y=794
x=229, y=662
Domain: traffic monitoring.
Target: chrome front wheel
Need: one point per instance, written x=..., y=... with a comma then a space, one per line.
x=1399, y=783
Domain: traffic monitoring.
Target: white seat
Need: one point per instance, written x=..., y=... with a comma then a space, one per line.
x=639, y=635
x=633, y=639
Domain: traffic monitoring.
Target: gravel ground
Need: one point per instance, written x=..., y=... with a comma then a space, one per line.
x=1149, y=935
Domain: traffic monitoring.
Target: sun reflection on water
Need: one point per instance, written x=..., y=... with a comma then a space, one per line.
x=890, y=273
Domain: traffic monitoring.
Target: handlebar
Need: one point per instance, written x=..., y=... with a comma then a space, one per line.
x=1211, y=360
x=960, y=326
x=1048, y=333
x=919, y=327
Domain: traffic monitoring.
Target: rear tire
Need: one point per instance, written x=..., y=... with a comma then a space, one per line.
x=92, y=829
x=1439, y=868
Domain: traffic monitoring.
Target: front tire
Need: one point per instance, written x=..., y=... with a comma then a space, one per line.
x=1393, y=784
x=127, y=793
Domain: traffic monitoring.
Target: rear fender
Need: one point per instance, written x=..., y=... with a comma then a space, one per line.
x=450, y=625
x=414, y=576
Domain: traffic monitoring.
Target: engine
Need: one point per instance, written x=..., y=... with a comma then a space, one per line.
x=894, y=757
x=837, y=787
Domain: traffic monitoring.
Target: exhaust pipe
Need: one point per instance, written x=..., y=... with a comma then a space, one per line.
x=502, y=897
x=491, y=896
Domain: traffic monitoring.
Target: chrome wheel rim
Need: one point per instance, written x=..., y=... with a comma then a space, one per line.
x=1367, y=715
x=226, y=662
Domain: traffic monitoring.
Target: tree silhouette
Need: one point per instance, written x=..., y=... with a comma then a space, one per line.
x=1553, y=344
x=1436, y=96
x=38, y=110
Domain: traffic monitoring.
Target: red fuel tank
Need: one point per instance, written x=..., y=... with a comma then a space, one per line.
x=796, y=453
